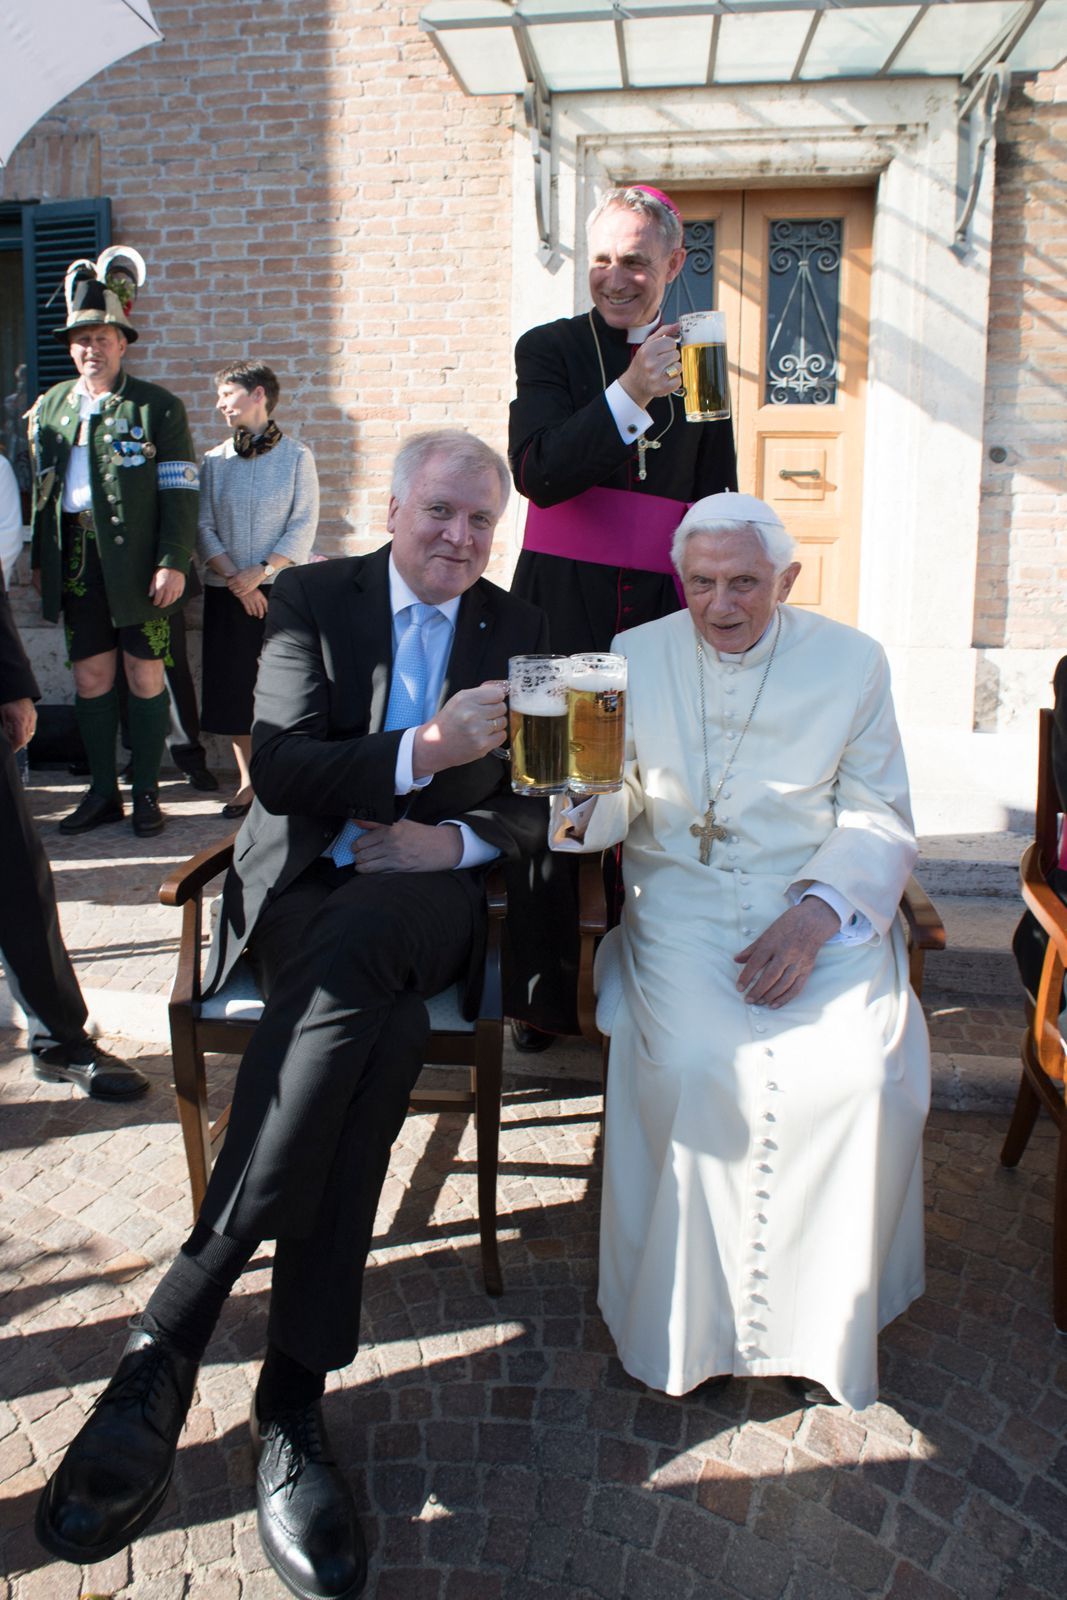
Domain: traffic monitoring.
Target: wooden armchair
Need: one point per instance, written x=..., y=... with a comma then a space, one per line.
x=923, y=928
x=1041, y=1046
x=225, y=1023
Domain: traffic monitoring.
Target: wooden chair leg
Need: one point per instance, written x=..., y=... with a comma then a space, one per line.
x=1059, y=1236
x=190, y=1088
x=1023, y=1119
x=488, y=1085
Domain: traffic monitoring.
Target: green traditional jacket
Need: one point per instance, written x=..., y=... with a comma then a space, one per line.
x=144, y=480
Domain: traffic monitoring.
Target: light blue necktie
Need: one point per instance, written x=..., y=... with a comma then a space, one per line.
x=406, y=708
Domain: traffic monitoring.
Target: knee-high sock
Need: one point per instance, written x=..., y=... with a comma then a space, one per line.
x=187, y=1300
x=149, y=724
x=98, y=724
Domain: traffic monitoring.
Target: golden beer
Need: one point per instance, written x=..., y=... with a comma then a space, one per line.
x=705, y=374
x=537, y=723
x=596, y=723
x=538, y=750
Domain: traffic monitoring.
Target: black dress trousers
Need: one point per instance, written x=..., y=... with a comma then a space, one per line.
x=323, y=1089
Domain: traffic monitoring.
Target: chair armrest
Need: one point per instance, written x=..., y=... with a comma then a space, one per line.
x=925, y=927
x=192, y=876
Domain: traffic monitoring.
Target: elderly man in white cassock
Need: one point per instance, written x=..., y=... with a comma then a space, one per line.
x=769, y=1067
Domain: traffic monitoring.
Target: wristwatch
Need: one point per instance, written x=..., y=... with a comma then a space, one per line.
x=268, y=570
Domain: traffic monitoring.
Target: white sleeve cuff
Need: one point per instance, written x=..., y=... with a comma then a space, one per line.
x=630, y=419
x=476, y=850
x=855, y=927
x=404, y=781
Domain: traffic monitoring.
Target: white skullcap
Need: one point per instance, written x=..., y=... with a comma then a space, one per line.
x=720, y=511
x=731, y=507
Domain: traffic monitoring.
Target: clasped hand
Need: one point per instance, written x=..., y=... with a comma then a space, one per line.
x=468, y=726
x=656, y=369
x=777, y=965
x=407, y=847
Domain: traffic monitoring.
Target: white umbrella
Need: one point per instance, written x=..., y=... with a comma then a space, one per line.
x=48, y=48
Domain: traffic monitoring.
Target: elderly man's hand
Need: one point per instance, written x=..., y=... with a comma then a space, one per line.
x=656, y=369
x=18, y=718
x=167, y=586
x=777, y=965
x=469, y=725
x=407, y=847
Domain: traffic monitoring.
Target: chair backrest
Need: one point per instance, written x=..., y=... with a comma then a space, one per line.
x=1047, y=808
x=1039, y=861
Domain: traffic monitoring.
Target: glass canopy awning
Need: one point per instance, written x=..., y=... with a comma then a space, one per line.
x=542, y=48
x=576, y=46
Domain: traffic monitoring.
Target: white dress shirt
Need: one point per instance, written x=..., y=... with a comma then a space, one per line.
x=77, y=490
x=437, y=634
x=631, y=419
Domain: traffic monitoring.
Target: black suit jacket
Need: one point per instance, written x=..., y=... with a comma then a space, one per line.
x=17, y=681
x=319, y=750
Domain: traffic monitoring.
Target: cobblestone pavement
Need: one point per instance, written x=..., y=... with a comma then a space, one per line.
x=497, y=1449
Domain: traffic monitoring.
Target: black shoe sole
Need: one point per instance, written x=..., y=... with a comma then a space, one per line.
x=49, y=1074
x=87, y=827
x=148, y=830
x=85, y=1555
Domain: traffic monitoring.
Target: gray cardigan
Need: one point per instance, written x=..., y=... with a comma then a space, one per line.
x=252, y=506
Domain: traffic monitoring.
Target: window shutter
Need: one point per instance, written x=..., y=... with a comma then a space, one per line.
x=54, y=235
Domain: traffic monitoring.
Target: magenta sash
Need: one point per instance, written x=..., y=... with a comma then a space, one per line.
x=609, y=527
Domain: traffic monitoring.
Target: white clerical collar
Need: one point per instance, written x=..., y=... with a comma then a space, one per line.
x=639, y=335
x=400, y=596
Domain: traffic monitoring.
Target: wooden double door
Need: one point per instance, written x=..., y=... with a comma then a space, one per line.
x=791, y=270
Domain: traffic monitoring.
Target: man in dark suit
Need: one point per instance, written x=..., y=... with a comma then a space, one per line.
x=356, y=888
x=31, y=942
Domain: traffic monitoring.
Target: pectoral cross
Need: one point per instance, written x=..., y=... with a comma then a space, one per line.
x=642, y=446
x=706, y=831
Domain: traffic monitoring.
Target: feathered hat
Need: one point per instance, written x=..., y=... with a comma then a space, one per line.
x=103, y=291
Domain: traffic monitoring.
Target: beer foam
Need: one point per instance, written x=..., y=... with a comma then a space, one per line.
x=703, y=327
x=538, y=702
x=597, y=679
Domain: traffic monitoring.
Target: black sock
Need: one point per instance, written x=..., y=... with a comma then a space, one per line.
x=189, y=1297
x=284, y=1385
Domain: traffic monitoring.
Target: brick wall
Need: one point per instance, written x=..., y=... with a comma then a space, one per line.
x=308, y=184
x=1021, y=600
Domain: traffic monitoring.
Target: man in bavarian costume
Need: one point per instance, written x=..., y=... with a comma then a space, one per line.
x=114, y=526
x=599, y=444
x=598, y=439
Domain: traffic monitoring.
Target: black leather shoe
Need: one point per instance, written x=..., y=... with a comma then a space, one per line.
x=147, y=817
x=93, y=1070
x=116, y=1472
x=531, y=1041
x=201, y=779
x=304, y=1509
x=92, y=811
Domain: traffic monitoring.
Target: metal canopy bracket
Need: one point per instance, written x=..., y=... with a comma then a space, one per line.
x=512, y=47
x=984, y=91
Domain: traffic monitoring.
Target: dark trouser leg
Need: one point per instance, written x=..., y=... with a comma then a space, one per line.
x=327, y=1268
x=30, y=940
x=324, y=1085
x=184, y=737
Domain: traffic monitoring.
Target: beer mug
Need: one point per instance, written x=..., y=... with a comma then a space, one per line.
x=596, y=723
x=705, y=378
x=537, y=723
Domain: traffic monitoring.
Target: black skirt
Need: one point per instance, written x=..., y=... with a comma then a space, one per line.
x=232, y=642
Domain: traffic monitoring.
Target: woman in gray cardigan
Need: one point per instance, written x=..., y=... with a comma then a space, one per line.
x=259, y=511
